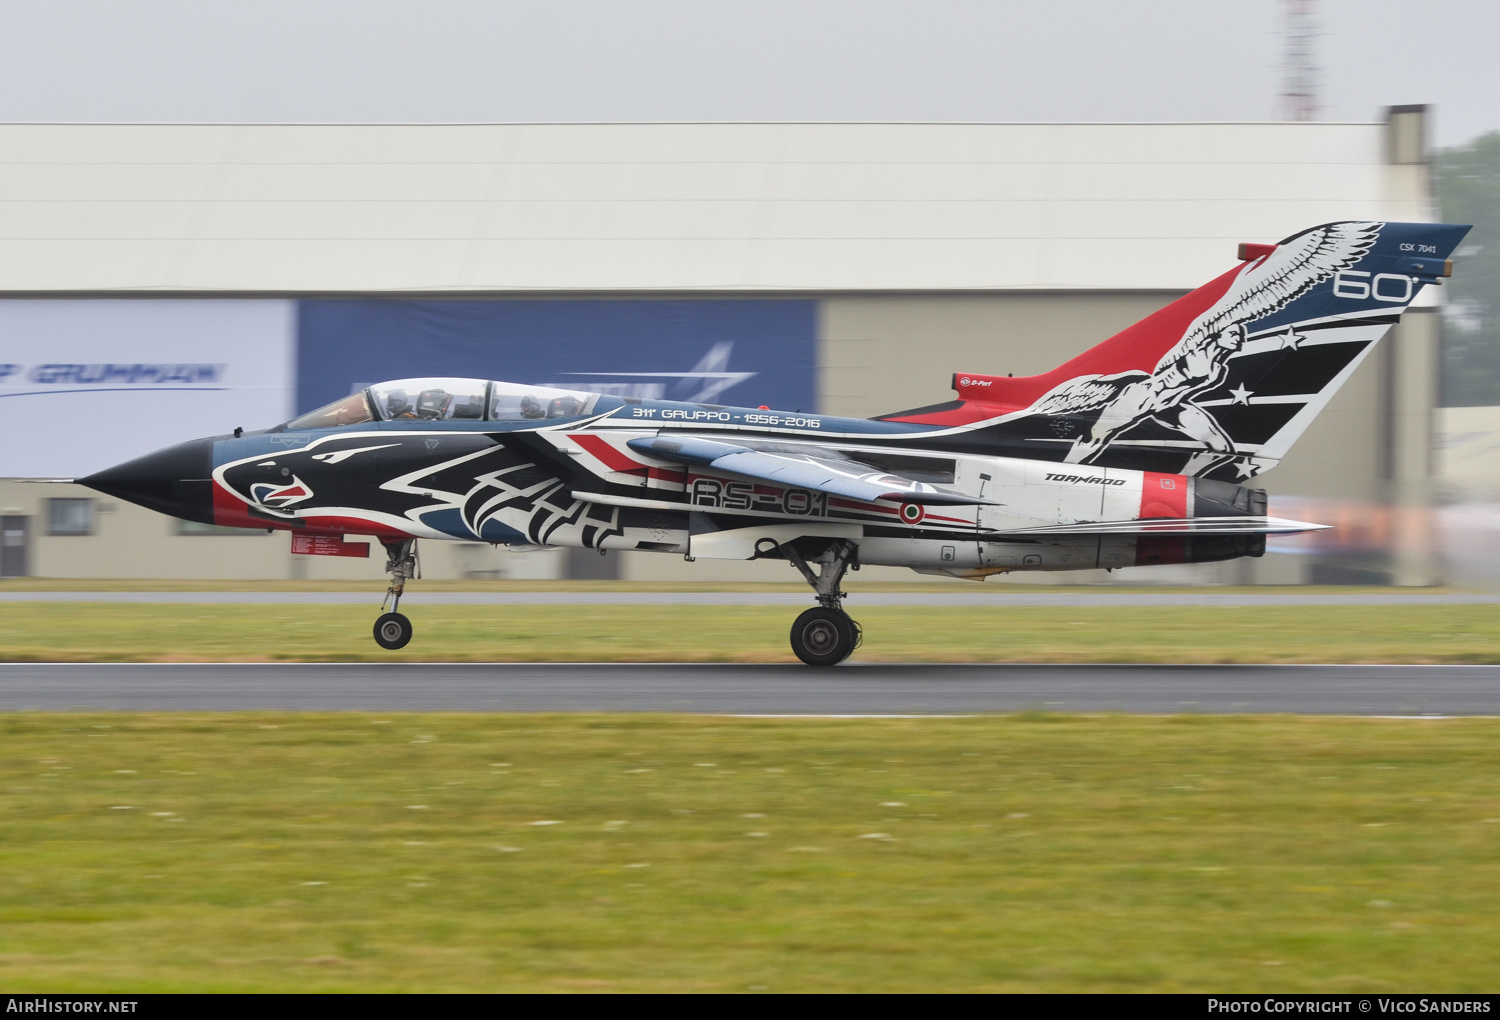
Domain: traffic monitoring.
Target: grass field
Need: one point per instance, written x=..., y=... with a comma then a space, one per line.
x=1026, y=853
x=621, y=633
x=375, y=586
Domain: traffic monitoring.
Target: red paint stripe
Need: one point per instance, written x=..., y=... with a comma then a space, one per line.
x=232, y=512
x=1163, y=495
x=850, y=504
x=332, y=525
x=1136, y=348
x=608, y=455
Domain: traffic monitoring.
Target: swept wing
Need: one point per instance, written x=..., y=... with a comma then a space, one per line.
x=817, y=468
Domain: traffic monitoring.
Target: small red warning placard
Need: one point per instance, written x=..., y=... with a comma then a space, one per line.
x=328, y=545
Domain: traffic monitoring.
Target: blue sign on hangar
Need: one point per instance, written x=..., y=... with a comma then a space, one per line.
x=182, y=367
x=746, y=352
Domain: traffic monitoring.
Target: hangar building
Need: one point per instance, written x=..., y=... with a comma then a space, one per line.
x=161, y=282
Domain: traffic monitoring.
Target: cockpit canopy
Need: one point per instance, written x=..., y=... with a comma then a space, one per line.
x=449, y=400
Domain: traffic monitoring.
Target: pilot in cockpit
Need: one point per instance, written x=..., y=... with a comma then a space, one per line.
x=432, y=405
x=532, y=408
x=397, y=406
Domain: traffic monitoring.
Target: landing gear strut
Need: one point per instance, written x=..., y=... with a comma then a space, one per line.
x=393, y=630
x=824, y=635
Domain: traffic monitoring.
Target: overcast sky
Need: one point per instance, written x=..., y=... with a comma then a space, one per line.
x=561, y=60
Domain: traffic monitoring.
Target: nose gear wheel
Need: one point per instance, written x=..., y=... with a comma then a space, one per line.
x=393, y=630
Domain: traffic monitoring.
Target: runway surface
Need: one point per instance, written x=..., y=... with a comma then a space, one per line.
x=857, y=598
x=852, y=689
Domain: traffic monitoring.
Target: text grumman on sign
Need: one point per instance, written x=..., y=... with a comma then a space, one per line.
x=165, y=375
x=86, y=384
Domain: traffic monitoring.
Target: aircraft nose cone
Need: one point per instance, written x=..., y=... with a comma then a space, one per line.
x=176, y=481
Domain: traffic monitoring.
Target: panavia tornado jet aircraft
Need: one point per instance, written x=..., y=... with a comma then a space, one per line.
x=1132, y=453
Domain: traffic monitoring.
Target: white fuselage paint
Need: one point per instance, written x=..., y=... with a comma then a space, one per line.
x=1026, y=493
x=754, y=516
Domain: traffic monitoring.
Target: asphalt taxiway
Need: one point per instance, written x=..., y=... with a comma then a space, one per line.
x=850, y=689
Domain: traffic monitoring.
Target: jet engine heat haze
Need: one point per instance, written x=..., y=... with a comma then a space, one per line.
x=1133, y=453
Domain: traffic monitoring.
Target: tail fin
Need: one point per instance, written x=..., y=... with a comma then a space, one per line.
x=1222, y=381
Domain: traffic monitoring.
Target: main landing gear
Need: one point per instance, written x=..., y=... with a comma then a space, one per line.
x=393, y=630
x=824, y=635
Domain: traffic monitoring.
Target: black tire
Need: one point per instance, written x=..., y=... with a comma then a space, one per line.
x=823, y=637
x=392, y=631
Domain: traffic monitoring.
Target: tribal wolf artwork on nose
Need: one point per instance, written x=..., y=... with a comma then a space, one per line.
x=1199, y=362
x=480, y=489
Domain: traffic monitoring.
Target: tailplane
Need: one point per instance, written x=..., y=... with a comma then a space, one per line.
x=1222, y=381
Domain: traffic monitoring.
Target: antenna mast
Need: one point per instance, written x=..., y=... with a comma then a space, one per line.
x=1300, y=74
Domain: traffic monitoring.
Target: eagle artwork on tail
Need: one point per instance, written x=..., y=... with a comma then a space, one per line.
x=1198, y=362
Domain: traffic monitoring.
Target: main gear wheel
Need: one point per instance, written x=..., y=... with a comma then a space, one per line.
x=824, y=637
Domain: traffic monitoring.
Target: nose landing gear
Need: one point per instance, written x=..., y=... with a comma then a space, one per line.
x=393, y=630
x=824, y=635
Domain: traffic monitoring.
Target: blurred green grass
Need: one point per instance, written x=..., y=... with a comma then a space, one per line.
x=357, y=852
x=112, y=632
x=374, y=585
